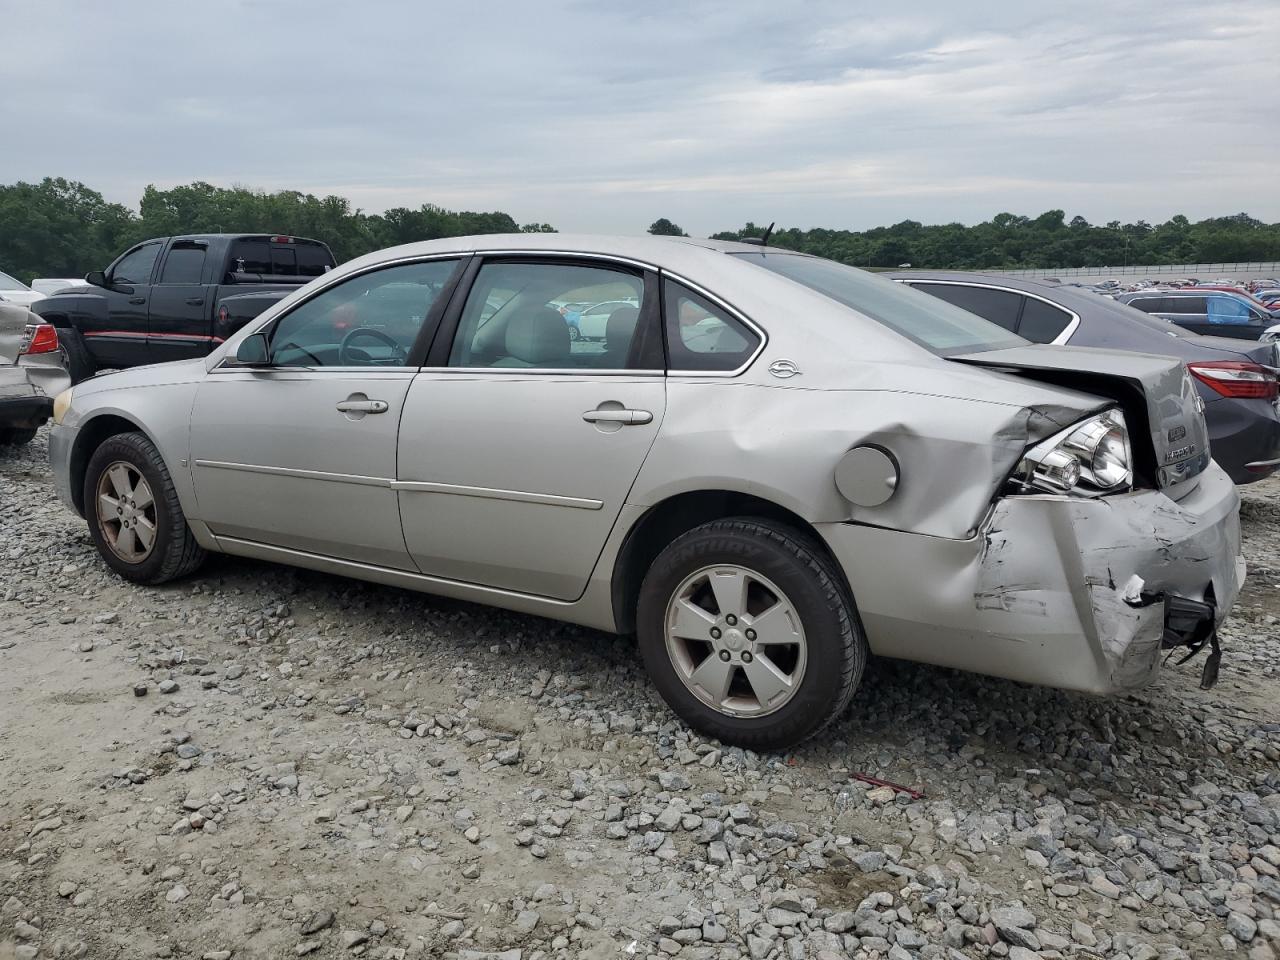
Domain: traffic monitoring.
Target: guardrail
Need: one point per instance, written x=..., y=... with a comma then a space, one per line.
x=1201, y=271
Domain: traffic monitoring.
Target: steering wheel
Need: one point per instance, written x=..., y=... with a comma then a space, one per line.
x=345, y=352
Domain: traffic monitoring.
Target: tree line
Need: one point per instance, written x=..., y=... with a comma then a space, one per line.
x=62, y=228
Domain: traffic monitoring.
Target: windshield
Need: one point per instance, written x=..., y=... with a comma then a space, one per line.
x=932, y=323
x=8, y=283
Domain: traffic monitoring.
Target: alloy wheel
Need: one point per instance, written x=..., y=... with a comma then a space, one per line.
x=735, y=640
x=126, y=512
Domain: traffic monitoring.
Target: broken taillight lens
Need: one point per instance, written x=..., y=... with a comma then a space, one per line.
x=39, y=338
x=1237, y=378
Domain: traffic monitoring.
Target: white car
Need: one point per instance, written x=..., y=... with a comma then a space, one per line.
x=14, y=291
x=51, y=285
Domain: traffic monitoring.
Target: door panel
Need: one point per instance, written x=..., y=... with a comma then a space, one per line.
x=180, y=322
x=275, y=461
x=503, y=483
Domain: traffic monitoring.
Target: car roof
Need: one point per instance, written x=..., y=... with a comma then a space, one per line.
x=657, y=251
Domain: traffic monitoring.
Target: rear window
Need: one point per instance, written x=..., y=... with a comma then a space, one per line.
x=297, y=259
x=250, y=256
x=932, y=323
x=313, y=260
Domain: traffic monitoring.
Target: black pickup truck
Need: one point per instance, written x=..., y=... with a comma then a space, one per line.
x=173, y=298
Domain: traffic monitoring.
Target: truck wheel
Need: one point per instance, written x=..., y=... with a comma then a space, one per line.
x=16, y=436
x=75, y=355
x=749, y=633
x=133, y=512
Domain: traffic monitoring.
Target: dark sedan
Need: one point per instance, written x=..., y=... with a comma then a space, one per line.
x=1236, y=379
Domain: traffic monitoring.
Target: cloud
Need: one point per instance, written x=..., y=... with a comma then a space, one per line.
x=595, y=116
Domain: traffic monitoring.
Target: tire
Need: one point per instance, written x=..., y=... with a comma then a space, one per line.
x=779, y=561
x=16, y=436
x=75, y=355
x=173, y=551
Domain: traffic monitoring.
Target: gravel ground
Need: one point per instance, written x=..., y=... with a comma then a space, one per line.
x=263, y=762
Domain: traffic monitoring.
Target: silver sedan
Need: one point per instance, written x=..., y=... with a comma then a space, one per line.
x=770, y=467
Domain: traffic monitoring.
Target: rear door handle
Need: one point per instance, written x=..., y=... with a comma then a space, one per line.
x=625, y=417
x=362, y=406
x=138, y=300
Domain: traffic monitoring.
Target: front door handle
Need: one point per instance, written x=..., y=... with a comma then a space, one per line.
x=138, y=301
x=195, y=301
x=624, y=417
x=362, y=406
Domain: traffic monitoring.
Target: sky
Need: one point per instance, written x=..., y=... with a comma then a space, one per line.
x=603, y=116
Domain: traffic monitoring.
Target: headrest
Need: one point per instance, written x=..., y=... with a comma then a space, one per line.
x=539, y=337
x=620, y=326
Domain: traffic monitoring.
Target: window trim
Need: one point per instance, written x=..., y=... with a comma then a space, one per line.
x=1060, y=340
x=417, y=353
x=442, y=346
x=730, y=309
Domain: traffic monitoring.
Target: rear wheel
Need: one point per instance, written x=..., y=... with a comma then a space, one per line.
x=133, y=512
x=749, y=633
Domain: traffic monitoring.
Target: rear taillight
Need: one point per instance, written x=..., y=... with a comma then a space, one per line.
x=39, y=338
x=1237, y=378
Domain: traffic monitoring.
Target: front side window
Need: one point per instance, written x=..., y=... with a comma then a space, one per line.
x=538, y=315
x=369, y=320
x=1229, y=311
x=702, y=335
x=927, y=321
x=184, y=264
x=136, y=265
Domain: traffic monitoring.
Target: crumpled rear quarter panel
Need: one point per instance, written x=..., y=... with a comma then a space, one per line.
x=1038, y=594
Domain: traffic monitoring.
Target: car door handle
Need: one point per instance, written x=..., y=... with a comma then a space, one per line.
x=625, y=417
x=138, y=300
x=195, y=301
x=362, y=406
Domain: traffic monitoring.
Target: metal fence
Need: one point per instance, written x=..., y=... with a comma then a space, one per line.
x=1201, y=271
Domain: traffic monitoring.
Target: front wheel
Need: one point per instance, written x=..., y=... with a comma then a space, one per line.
x=133, y=512
x=75, y=355
x=749, y=633
x=16, y=436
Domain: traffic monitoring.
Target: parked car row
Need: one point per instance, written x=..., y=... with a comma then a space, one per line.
x=770, y=466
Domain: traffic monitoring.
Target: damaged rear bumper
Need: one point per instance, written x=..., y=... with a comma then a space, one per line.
x=1059, y=591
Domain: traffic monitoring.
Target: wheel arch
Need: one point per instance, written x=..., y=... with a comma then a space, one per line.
x=91, y=435
x=677, y=514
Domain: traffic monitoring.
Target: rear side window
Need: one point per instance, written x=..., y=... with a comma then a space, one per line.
x=250, y=256
x=1042, y=322
x=998, y=306
x=928, y=321
x=184, y=264
x=1184, y=305
x=702, y=335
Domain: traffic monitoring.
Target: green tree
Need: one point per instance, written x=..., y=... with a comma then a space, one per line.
x=663, y=227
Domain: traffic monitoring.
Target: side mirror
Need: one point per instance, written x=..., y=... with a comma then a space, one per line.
x=1271, y=334
x=254, y=351
x=96, y=278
